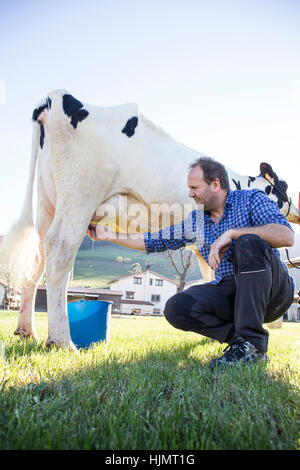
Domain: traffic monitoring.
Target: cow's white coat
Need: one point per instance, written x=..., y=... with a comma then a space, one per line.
x=79, y=171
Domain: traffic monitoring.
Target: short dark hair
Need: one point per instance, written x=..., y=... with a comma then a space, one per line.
x=211, y=170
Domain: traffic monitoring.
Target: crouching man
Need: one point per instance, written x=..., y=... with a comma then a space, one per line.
x=242, y=231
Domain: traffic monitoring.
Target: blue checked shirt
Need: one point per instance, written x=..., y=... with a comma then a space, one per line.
x=243, y=208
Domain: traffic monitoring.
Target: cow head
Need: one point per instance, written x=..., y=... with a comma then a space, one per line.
x=278, y=189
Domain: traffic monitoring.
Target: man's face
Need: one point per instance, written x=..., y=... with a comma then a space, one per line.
x=200, y=191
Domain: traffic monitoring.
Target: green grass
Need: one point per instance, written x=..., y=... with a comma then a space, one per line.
x=149, y=388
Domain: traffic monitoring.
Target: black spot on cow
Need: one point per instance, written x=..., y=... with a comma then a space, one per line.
x=74, y=109
x=250, y=180
x=40, y=109
x=237, y=184
x=130, y=126
x=42, y=135
x=277, y=187
x=80, y=115
x=280, y=191
x=71, y=104
x=268, y=189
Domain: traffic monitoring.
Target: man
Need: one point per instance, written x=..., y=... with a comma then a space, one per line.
x=242, y=230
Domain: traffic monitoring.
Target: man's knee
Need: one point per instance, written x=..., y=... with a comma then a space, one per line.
x=170, y=309
x=177, y=307
x=250, y=252
x=249, y=241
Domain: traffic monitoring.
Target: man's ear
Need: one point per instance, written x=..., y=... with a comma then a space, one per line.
x=216, y=184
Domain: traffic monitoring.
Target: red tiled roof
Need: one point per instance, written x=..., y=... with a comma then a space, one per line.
x=139, y=274
x=135, y=302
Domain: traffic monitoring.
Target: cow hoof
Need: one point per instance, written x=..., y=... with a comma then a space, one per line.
x=20, y=333
x=50, y=343
x=24, y=335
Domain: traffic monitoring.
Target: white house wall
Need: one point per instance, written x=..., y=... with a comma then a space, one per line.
x=144, y=309
x=2, y=291
x=145, y=291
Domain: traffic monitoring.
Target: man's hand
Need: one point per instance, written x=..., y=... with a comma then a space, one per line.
x=219, y=248
x=97, y=232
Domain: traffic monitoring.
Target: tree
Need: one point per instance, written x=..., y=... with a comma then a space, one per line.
x=185, y=260
x=135, y=268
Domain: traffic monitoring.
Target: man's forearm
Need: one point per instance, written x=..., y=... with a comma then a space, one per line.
x=275, y=234
x=136, y=243
x=97, y=232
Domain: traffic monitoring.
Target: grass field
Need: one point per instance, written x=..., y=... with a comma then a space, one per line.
x=148, y=388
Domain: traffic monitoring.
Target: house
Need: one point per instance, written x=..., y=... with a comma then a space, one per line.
x=9, y=298
x=293, y=263
x=293, y=313
x=293, y=254
x=78, y=293
x=145, y=292
x=137, y=307
x=2, y=292
x=294, y=270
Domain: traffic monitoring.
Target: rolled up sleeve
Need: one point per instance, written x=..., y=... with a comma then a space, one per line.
x=174, y=237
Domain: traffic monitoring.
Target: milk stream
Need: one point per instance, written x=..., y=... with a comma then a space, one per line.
x=92, y=256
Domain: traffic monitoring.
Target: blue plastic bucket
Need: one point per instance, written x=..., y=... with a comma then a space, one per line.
x=89, y=322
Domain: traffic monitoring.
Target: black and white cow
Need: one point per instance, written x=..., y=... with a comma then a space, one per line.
x=269, y=182
x=88, y=159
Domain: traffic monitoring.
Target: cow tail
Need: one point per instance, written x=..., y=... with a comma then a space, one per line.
x=19, y=248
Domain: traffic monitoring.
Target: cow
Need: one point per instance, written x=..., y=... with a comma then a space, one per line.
x=87, y=158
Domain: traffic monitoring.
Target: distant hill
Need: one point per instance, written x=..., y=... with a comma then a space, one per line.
x=96, y=263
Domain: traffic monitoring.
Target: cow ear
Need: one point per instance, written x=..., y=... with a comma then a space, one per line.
x=266, y=170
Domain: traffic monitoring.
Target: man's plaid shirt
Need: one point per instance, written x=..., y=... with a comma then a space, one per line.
x=245, y=208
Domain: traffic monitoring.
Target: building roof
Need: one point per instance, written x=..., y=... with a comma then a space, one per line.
x=88, y=291
x=136, y=302
x=78, y=294
x=143, y=272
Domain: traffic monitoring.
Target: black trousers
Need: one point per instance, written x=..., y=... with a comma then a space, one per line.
x=259, y=292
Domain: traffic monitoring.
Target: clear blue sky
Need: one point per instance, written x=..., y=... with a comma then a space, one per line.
x=221, y=76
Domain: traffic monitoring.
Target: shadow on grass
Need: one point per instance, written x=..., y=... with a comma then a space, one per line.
x=166, y=399
x=18, y=347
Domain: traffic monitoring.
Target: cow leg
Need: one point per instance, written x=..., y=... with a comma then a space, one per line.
x=26, y=327
x=206, y=271
x=61, y=246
